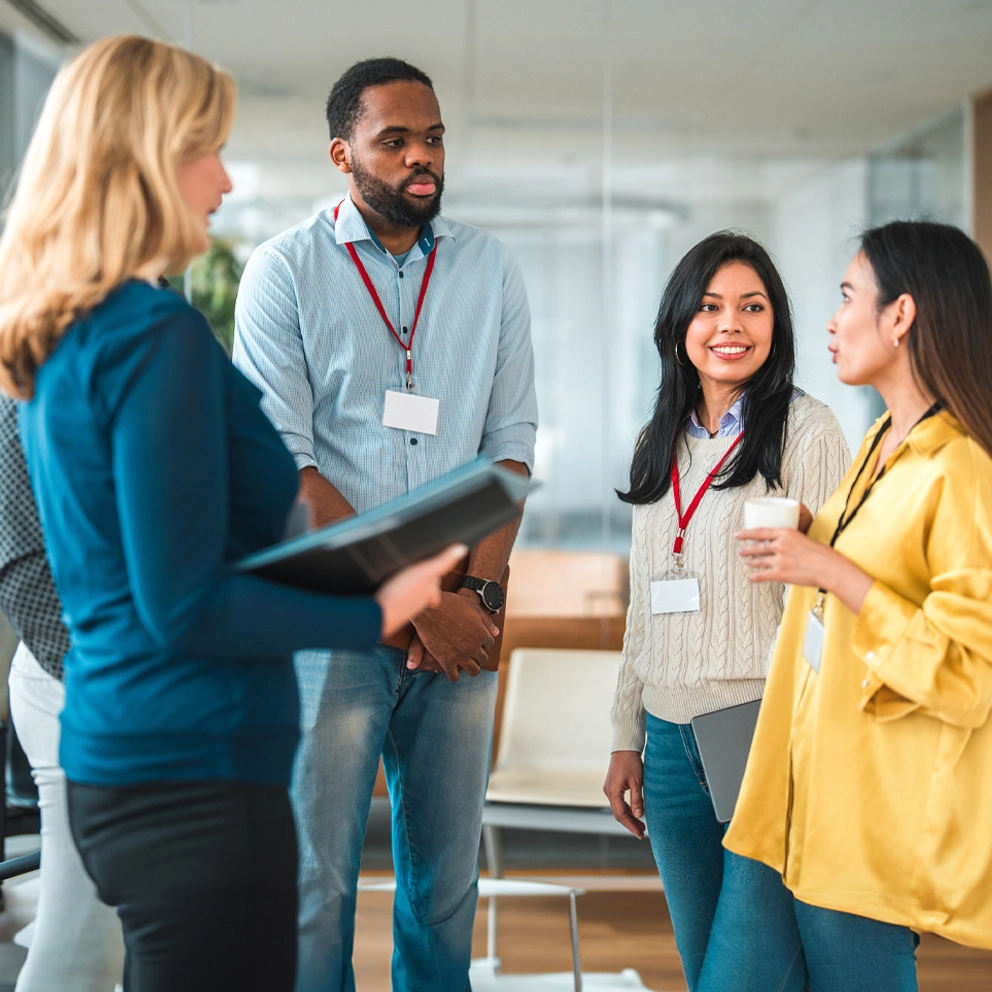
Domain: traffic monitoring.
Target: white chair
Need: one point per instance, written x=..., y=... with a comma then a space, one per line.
x=554, y=752
x=554, y=748
x=485, y=973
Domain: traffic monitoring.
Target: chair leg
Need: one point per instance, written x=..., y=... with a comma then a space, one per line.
x=574, y=921
x=494, y=858
x=493, y=838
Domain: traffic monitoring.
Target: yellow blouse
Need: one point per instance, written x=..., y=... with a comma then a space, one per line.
x=869, y=785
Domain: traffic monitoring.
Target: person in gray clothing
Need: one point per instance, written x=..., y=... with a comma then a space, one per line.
x=77, y=941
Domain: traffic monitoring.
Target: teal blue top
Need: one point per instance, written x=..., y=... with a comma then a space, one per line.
x=154, y=469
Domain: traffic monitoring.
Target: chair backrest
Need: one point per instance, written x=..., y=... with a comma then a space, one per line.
x=557, y=708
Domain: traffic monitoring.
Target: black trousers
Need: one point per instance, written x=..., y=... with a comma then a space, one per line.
x=203, y=876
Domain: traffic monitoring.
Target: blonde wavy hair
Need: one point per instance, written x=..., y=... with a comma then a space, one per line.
x=98, y=201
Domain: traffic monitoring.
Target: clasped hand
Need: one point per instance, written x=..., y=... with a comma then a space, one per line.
x=455, y=635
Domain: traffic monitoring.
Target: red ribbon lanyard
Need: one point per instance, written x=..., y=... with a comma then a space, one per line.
x=407, y=346
x=684, y=518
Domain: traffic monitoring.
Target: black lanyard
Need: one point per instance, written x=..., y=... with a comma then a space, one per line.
x=844, y=521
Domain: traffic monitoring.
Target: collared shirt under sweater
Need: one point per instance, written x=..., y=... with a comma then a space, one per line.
x=680, y=665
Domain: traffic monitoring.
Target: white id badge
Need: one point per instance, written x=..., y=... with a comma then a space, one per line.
x=407, y=412
x=813, y=641
x=675, y=594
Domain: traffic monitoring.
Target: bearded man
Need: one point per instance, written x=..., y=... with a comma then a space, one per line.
x=392, y=345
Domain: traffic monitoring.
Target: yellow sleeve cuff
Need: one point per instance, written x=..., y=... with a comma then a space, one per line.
x=885, y=619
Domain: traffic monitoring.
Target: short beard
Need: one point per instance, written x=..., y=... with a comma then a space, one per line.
x=391, y=203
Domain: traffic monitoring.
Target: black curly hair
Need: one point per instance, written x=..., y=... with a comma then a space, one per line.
x=344, y=105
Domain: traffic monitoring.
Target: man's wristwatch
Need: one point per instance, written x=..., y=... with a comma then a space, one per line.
x=492, y=594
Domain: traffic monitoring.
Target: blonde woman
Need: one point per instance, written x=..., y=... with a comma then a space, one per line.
x=154, y=468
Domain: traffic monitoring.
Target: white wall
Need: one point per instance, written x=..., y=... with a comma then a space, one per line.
x=815, y=230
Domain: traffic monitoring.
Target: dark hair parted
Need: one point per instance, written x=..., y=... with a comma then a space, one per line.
x=769, y=390
x=950, y=342
x=344, y=105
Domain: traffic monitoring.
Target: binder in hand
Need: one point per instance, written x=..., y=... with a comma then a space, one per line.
x=356, y=556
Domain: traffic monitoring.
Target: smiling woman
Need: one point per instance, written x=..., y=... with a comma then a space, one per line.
x=723, y=296
x=727, y=414
x=729, y=338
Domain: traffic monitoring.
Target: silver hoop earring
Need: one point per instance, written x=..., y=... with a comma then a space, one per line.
x=679, y=360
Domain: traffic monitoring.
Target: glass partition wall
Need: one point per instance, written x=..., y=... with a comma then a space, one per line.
x=586, y=145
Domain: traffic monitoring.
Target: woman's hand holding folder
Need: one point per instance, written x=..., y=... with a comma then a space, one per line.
x=410, y=592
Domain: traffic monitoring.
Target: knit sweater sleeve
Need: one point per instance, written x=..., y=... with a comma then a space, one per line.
x=628, y=710
x=818, y=457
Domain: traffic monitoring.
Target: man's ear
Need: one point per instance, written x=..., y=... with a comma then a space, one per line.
x=340, y=154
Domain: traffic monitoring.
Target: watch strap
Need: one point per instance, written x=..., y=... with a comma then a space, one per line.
x=491, y=600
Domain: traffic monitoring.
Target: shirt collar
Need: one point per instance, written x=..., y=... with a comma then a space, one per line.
x=934, y=432
x=732, y=420
x=351, y=227
x=926, y=437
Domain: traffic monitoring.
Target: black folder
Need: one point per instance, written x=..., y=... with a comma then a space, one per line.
x=356, y=556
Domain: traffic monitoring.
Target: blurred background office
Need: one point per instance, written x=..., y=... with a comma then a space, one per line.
x=599, y=139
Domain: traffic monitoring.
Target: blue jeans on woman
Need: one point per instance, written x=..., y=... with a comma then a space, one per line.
x=736, y=924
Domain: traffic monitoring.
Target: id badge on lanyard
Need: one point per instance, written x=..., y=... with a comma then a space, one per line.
x=678, y=590
x=675, y=592
x=402, y=411
x=407, y=412
x=815, y=635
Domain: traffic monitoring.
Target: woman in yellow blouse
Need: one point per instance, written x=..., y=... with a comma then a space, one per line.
x=869, y=784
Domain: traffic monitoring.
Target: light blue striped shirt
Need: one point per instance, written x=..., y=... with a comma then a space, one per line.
x=731, y=423
x=308, y=334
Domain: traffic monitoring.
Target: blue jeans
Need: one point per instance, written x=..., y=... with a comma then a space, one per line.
x=736, y=924
x=435, y=738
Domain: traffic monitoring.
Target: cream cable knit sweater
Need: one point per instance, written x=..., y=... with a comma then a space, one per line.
x=679, y=665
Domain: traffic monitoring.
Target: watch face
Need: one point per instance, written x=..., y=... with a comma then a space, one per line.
x=493, y=596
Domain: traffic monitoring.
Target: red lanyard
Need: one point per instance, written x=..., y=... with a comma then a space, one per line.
x=684, y=518
x=407, y=346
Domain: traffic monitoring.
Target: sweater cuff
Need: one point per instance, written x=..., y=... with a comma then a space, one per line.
x=628, y=733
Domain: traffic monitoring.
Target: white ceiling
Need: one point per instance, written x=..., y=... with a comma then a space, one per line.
x=521, y=82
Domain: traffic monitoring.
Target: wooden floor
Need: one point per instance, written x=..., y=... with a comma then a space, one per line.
x=616, y=930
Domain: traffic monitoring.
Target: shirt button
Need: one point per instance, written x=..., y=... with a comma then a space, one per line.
x=413, y=440
x=401, y=275
x=865, y=683
x=870, y=655
x=406, y=330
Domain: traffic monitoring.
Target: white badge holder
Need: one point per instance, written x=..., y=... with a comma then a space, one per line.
x=813, y=639
x=407, y=412
x=675, y=592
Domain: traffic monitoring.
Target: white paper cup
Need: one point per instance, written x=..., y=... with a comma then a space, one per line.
x=771, y=511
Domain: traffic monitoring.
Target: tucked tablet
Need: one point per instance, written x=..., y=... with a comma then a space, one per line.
x=724, y=740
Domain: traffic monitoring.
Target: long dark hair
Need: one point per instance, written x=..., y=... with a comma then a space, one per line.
x=769, y=390
x=950, y=342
